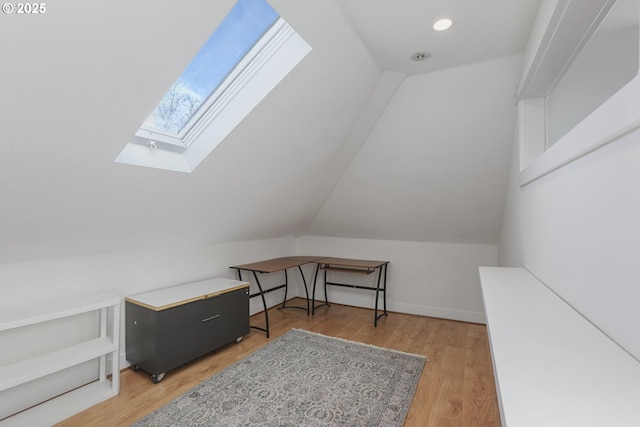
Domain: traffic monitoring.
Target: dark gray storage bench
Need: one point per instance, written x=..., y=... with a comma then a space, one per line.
x=170, y=327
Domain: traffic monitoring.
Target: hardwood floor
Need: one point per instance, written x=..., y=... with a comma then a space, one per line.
x=456, y=388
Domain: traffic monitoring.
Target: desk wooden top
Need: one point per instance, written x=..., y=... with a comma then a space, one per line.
x=351, y=263
x=305, y=258
x=283, y=263
x=276, y=264
x=162, y=299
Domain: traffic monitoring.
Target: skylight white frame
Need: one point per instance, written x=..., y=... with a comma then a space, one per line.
x=266, y=64
x=182, y=138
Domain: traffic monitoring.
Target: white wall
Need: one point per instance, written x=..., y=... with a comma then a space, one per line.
x=425, y=278
x=571, y=214
x=577, y=229
x=434, y=167
x=125, y=273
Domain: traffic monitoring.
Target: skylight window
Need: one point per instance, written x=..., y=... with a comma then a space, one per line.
x=247, y=22
x=249, y=53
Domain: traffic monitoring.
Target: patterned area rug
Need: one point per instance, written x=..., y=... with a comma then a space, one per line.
x=301, y=379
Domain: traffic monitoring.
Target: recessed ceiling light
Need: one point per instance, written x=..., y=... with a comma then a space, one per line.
x=442, y=24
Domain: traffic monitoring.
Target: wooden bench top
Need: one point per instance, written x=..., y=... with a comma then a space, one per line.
x=161, y=299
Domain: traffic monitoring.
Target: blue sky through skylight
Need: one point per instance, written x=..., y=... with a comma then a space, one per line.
x=245, y=24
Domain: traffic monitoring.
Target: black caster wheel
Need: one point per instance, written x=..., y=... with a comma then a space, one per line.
x=157, y=378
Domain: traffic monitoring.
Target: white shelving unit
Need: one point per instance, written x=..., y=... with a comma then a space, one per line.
x=70, y=403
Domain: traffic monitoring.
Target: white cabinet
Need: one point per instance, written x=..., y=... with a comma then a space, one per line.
x=105, y=345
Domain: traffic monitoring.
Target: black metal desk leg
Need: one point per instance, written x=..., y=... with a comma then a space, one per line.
x=286, y=288
x=375, y=312
x=264, y=304
x=326, y=299
x=384, y=295
x=313, y=294
x=306, y=291
x=384, y=289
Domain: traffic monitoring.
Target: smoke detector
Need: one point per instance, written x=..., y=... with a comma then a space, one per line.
x=420, y=56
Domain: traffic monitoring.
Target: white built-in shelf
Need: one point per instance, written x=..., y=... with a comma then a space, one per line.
x=62, y=407
x=14, y=318
x=36, y=367
x=20, y=372
x=552, y=366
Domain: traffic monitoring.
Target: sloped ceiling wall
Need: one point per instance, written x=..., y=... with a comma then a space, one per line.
x=78, y=81
x=433, y=167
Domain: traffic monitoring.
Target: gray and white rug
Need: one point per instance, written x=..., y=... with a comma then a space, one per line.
x=301, y=379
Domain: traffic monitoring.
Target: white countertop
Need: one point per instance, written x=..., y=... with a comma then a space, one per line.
x=552, y=366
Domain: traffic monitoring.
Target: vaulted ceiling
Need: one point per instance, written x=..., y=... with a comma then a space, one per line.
x=358, y=141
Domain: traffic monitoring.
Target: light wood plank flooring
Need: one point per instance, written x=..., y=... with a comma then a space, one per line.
x=456, y=387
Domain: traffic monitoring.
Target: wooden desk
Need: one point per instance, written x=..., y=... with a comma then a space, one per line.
x=357, y=266
x=273, y=266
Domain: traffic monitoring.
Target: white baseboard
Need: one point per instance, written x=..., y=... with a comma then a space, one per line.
x=367, y=300
x=442, y=313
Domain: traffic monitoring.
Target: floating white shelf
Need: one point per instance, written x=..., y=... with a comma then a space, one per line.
x=61, y=407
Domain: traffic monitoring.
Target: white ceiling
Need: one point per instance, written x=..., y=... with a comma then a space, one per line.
x=78, y=81
x=393, y=30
